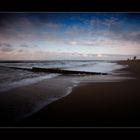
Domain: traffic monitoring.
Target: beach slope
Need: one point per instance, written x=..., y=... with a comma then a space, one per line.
x=115, y=104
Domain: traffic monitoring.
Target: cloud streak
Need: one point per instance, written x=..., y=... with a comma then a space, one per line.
x=6, y=47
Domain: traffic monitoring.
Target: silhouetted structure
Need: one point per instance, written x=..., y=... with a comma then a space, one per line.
x=134, y=58
x=57, y=70
x=61, y=71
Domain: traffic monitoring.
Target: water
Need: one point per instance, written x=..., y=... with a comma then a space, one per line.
x=24, y=92
x=13, y=78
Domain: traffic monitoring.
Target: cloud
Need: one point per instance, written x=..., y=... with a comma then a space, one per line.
x=25, y=28
x=6, y=47
x=73, y=43
x=132, y=36
x=95, y=42
x=111, y=28
x=24, y=45
x=31, y=29
x=24, y=32
x=52, y=25
x=33, y=25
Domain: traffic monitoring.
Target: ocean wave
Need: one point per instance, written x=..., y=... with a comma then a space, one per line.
x=25, y=82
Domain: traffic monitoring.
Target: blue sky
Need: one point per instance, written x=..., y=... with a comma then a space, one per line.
x=47, y=36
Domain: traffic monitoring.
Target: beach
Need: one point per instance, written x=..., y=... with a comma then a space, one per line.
x=69, y=69
x=103, y=104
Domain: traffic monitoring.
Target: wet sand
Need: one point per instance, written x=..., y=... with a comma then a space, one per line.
x=21, y=102
x=114, y=104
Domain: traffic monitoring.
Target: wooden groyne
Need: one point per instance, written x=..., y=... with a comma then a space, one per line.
x=57, y=70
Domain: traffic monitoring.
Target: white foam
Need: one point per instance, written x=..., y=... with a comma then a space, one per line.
x=26, y=82
x=107, y=67
x=42, y=104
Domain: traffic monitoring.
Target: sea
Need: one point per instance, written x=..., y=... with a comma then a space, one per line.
x=49, y=87
x=10, y=78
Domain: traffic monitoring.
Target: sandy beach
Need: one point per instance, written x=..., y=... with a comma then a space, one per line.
x=115, y=104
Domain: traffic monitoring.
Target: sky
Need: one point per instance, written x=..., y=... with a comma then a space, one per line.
x=69, y=36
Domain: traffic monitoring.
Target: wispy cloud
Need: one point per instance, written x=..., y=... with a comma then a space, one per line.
x=24, y=45
x=6, y=47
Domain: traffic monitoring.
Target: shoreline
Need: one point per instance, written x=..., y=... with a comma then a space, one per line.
x=94, y=104
x=19, y=103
